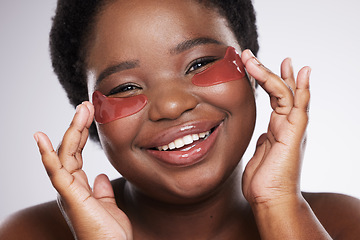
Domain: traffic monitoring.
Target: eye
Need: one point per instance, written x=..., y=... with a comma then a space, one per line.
x=200, y=63
x=124, y=90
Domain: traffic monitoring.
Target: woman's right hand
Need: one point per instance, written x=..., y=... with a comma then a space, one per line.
x=90, y=213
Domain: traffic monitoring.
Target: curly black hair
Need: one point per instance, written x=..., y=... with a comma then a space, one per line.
x=74, y=21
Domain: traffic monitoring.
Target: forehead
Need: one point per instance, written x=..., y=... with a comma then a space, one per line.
x=141, y=16
x=139, y=25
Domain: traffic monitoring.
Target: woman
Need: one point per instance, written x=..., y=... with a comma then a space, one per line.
x=198, y=191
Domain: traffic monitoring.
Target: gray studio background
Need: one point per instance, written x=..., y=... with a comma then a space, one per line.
x=322, y=34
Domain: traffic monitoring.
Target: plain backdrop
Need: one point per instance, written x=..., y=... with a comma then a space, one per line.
x=322, y=34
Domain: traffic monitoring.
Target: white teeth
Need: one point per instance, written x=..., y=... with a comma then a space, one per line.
x=188, y=139
x=202, y=135
x=172, y=145
x=195, y=137
x=180, y=142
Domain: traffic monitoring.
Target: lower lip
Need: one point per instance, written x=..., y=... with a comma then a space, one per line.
x=190, y=157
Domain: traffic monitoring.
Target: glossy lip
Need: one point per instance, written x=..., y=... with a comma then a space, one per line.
x=190, y=157
x=169, y=135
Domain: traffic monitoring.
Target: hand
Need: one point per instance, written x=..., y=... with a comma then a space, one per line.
x=273, y=173
x=92, y=214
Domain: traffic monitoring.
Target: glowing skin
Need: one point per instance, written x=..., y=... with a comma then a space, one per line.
x=108, y=109
x=156, y=48
x=228, y=69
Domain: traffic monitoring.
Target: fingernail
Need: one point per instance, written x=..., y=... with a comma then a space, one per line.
x=290, y=62
x=255, y=61
x=78, y=108
x=36, y=137
x=251, y=53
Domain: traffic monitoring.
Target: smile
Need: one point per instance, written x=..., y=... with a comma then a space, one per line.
x=187, y=150
x=183, y=143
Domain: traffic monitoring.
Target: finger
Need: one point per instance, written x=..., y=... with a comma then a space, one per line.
x=104, y=192
x=287, y=73
x=84, y=136
x=74, y=140
x=60, y=178
x=301, y=98
x=91, y=111
x=302, y=92
x=103, y=189
x=256, y=160
x=270, y=82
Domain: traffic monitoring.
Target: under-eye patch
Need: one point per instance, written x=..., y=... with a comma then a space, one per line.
x=228, y=69
x=108, y=109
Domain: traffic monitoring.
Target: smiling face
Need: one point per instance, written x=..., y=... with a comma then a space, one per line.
x=154, y=48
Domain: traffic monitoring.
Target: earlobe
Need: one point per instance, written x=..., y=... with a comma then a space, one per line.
x=253, y=84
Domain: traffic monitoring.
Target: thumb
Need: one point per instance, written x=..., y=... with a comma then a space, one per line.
x=255, y=161
x=104, y=192
x=261, y=140
x=103, y=189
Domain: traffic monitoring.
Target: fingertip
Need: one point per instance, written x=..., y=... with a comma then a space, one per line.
x=102, y=176
x=287, y=63
x=78, y=108
x=261, y=140
x=306, y=70
x=246, y=55
x=102, y=187
x=304, y=77
x=82, y=115
x=91, y=111
x=88, y=104
x=83, y=107
x=308, y=73
x=90, y=107
x=36, y=137
x=249, y=52
x=43, y=142
x=289, y=60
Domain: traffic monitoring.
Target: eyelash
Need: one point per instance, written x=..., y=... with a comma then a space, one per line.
x=123, y=88
x=199, y=63
x=195, y=65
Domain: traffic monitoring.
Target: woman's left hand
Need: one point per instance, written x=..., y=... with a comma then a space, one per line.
x=272, y=175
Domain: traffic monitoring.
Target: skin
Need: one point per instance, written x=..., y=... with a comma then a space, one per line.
x=208, y=199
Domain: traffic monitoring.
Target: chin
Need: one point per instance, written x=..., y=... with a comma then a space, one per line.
x=199, y=186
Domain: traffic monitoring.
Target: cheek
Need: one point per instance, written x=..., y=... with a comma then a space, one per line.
x=235, y=97
x=117, y=138
x=238, y=100
x=226, y=86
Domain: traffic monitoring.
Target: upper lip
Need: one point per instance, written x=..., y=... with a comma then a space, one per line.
x=168, y=135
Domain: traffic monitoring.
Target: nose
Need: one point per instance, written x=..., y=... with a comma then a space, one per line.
x=171, y=102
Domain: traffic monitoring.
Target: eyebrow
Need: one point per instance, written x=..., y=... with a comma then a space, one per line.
x=117, y=68
x=188, y=44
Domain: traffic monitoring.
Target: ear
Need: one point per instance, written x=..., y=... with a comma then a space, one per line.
x=252, y=82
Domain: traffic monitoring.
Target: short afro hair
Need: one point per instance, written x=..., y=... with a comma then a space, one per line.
x=74, y=21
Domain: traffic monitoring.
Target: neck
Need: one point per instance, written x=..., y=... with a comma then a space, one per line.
x=220, y=214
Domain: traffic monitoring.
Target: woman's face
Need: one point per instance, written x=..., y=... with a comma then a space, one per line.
x=154, y=48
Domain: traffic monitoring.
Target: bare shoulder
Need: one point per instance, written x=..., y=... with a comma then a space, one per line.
x=338, y=213
x=43, y=221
